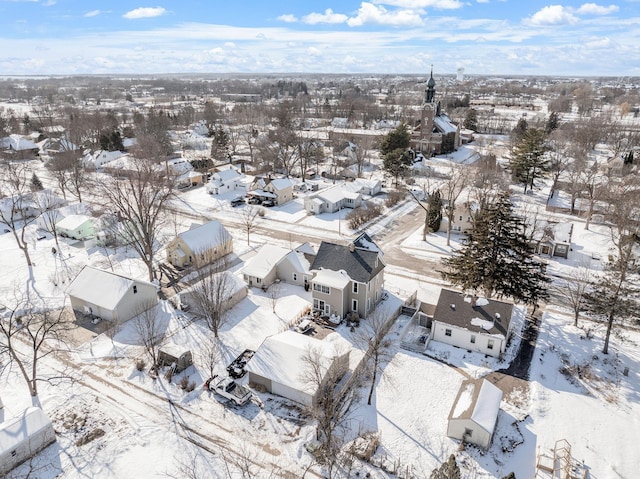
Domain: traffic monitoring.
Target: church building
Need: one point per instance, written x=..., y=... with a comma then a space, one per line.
x=434, y=134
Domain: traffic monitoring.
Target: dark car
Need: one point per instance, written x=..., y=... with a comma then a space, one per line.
x=253, y=200
x=237, y=201
x=268, y=203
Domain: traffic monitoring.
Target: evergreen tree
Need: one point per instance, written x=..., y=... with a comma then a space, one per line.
x=434, y=212
x=553, y=122
x=518, y=132
x=111, y=141
x=220, y=145
x=36, y=184
x=496, y=257
x=471, y=119
x=447, y=470
x=528, y=158
x=400, y=138
x=394, y=150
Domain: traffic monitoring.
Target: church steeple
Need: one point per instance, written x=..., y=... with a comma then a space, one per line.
x=430, y=92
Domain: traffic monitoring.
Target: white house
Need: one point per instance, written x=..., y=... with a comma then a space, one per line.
x=476, y=324
x=225, y=181
x=332, y=199
x=110, y=296
x=474, y=413
x=279, y=365
x=23, y=437
x=98, y=158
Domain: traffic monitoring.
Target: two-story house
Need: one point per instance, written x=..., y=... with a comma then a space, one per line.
x=204, y=244
x=348, y=278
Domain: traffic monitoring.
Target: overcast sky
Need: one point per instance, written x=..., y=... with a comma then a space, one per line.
x=530, y=37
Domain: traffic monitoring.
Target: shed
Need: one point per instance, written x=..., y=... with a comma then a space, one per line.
x=170, y=354
x=474, y=412
x=23, y=437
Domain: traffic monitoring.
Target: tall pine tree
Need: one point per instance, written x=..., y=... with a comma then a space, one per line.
x=528, y=158
x=434, y=212
x=496, y=258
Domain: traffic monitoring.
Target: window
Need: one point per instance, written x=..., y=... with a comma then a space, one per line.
x=354, y=305
x=490, y=344
x=355, y=288
x=321, y=288
x=258, y=280
x=135, y=289
x=295, y=276
x=473, y=338
x=460, y=217
x=447, y=332
x=468, y=432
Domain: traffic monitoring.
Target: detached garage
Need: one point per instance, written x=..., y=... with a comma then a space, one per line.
x=279, y=366
x=474, y=413
x=23, y=437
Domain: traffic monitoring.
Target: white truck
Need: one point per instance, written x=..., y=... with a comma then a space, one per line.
x=229, y=389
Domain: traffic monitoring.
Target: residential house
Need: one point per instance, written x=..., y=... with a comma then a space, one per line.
x=280, y=190
x=225, y=181
x=23, y=437
x=98, y=158
x=475, y=324
x=295, y=267
x=332, y=199
x=78, y=227
x=348, y=278
x=232, y=289
x=279, y=365
x=552, y=239
x=463, y=215
x=261, y=270
x=110, y=296
x=18, y=147
x=208, y=243
x=474, y=412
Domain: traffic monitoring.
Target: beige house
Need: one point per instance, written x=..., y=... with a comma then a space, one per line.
x=463, y=214
x=280, y=190
x=207, y=243
x=347, y=278
x=474, y=413
x=110, y=296
x=279, y=366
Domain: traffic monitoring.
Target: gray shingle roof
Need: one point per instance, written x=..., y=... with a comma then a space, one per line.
x=361, y=265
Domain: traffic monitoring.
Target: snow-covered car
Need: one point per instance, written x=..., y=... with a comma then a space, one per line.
x=305, y=326
x=229, y=389
x=268, y=203
x=237, y=201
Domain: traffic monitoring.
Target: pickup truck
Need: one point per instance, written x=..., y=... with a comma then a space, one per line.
x=229, y=389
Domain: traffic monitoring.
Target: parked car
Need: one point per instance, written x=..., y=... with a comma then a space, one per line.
x=237, y=201
x=268, y=203
x=229, y=389
x=253, y=200
x=237, y=367
x=305, y=326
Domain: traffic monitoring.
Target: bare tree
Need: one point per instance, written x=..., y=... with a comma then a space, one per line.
x=209, y=296
x=273, y=293
x=140, y=201
x=210, y=355
x=571, y=291
x=248, y=219
x=331, y=404
x=16, y=203
x=371, y=336
x=150, y=332
x=29, y=333
x=451, y=190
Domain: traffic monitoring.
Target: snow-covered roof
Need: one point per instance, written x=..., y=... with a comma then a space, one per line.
x=267, y=257
x=444, y=125
x=280, y=358
x=479, y=401
x=281, y=183
x=102, y=288
x=16, y=431
x=333, y=279
x=262, y=193
x=206, y=236
x=73, y=222
x=298, y=261
x=336, y=193
x=17, y=143
x=226, y=175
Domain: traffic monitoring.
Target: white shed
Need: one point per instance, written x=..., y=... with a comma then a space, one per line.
x=474, y=413
x=23, y=437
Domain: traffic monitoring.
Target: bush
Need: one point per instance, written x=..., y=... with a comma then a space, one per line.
x=191, y=386
x=261, y=212
x=394, y=197
x=168, y=375
x=184, y=382
x=362, y=215
x=140, y=364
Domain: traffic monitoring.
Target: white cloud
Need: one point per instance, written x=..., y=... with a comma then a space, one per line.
x=92, y=13
x=48, y=3
x=313, y=52
x=369, y=13
x=595, y=9
x=327, y=17
x=482, y=1
x=288, y=18
x=144, y=12
x=553, y=15
x=419, y=4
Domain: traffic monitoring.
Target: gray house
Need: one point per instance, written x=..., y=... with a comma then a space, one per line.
x=348, y=278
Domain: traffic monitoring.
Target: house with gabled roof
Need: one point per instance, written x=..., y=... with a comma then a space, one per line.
x=472, y=323
x=474, y=412
x=280, y=190
x=110, y=296
x=273, y=263
x=224, y=181
x=333, y=199
x=202, y=243
x=347, y=278
x=78, y=227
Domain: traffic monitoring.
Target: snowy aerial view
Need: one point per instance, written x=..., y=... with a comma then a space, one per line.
x=351, y=271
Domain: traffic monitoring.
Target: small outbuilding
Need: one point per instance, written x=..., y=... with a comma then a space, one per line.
x=474, y=413
x=173, y=355
x=23, y=437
